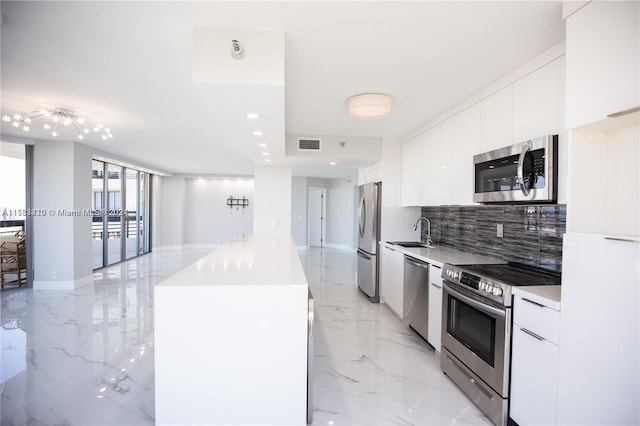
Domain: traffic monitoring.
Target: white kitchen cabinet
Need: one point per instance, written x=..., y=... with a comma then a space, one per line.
x=447, y=179
x=536, y=103
x=412, y=166
x=612, y=155
x=534, y=363
x=437, y=168
x=434, y=333
x=496, y=113
x=392, y=278
x=463, y=143
x=599, y=373
x=602, y=59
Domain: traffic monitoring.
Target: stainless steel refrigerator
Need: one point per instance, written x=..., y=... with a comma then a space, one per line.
x=368, y=236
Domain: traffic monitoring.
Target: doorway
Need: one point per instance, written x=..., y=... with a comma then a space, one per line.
x=317, y=211
x=16, y=221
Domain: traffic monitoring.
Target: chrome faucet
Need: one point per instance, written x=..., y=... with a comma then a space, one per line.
x=415, y=228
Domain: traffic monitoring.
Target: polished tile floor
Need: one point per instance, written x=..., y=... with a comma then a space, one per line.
x=85, y=357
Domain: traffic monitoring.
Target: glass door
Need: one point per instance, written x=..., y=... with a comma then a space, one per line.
x=132, y=214
x=115, y=214
x=97, y=206
x=121, y=204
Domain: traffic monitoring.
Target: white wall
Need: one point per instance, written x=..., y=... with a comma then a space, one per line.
x=173, y=205
x=341, y=212
x=156, y=211
x=82, y=199
x=208, y=219
x=62, y=243
x=299, y=197
x=272, y=209
x=397, y=221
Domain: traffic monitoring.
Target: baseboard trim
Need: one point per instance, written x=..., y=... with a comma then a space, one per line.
x=63, y=285
x=340, y=247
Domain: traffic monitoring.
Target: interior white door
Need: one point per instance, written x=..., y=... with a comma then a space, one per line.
x=316, y=216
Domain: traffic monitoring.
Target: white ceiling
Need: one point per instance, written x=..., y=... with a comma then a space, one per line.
x=129, y=65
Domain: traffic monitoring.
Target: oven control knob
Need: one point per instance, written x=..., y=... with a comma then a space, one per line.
x=497, y=291
x=488, y=288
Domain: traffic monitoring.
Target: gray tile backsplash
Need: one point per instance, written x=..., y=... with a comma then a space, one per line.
x=532, y=234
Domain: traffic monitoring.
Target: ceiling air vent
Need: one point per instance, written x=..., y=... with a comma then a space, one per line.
x=308, y=144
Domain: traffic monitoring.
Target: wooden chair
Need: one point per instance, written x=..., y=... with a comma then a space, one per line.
x=13, y=263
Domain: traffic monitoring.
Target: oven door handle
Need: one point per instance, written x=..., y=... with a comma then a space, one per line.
x=475, y=303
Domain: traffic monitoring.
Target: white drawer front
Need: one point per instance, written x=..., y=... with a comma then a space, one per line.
x=543, y=321
x=435, y=274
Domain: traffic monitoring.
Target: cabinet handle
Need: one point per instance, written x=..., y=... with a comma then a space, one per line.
x=532, y=302
x=626, y=240
x=532, y=334
x=436, y=285
x=625, y=112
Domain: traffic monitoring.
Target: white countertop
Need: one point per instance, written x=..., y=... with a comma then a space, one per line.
x=268, y=259
x=546, y=295
x=439, y=255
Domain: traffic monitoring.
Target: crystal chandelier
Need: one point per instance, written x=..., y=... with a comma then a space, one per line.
x=53, y=120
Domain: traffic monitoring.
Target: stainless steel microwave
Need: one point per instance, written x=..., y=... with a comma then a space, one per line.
x=521, y=173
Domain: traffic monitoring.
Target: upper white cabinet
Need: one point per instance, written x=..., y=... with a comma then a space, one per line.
x=412, y=166
x=496, y=112
x=436, y=182
x=463, y=144
x=536, y=103
x=602, y=55
x=437, y=165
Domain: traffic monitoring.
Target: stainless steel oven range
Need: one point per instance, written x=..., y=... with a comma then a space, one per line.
x=476, y=329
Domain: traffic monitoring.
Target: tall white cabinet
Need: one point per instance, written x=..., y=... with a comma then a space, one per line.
x=599, y=359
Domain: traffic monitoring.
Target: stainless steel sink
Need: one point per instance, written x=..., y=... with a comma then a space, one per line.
x=411, y=244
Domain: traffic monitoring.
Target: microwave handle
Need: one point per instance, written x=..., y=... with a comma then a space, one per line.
x=526, y=147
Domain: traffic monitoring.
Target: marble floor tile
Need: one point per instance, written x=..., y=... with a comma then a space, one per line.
x=85, y=356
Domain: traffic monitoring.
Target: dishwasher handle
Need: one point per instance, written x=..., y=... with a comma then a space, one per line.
x=417, y=263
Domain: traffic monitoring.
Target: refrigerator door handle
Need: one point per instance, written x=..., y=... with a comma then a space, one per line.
x=364, y=255
x=363, y=216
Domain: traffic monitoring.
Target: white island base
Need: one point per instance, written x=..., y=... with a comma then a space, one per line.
x=231, y=337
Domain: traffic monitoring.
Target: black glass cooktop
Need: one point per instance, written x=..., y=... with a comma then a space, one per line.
x=513, y=274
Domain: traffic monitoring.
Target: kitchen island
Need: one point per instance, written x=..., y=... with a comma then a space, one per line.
x=231, y=337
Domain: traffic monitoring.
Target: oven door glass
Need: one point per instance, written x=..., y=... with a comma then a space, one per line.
x=473, y=328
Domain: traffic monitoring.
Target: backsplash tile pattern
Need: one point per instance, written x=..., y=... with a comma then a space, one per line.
x=532, y=233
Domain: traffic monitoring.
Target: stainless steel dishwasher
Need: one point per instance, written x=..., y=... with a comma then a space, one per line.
x=416, y=295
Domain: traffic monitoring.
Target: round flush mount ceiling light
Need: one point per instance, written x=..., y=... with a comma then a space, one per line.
x=370, y=105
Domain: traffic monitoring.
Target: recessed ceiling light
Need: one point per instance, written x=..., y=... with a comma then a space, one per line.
x=265, y=153
x=268, y=160
x=262, y=145
x=258, y=133
x=252, y=115
x=333, y=163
